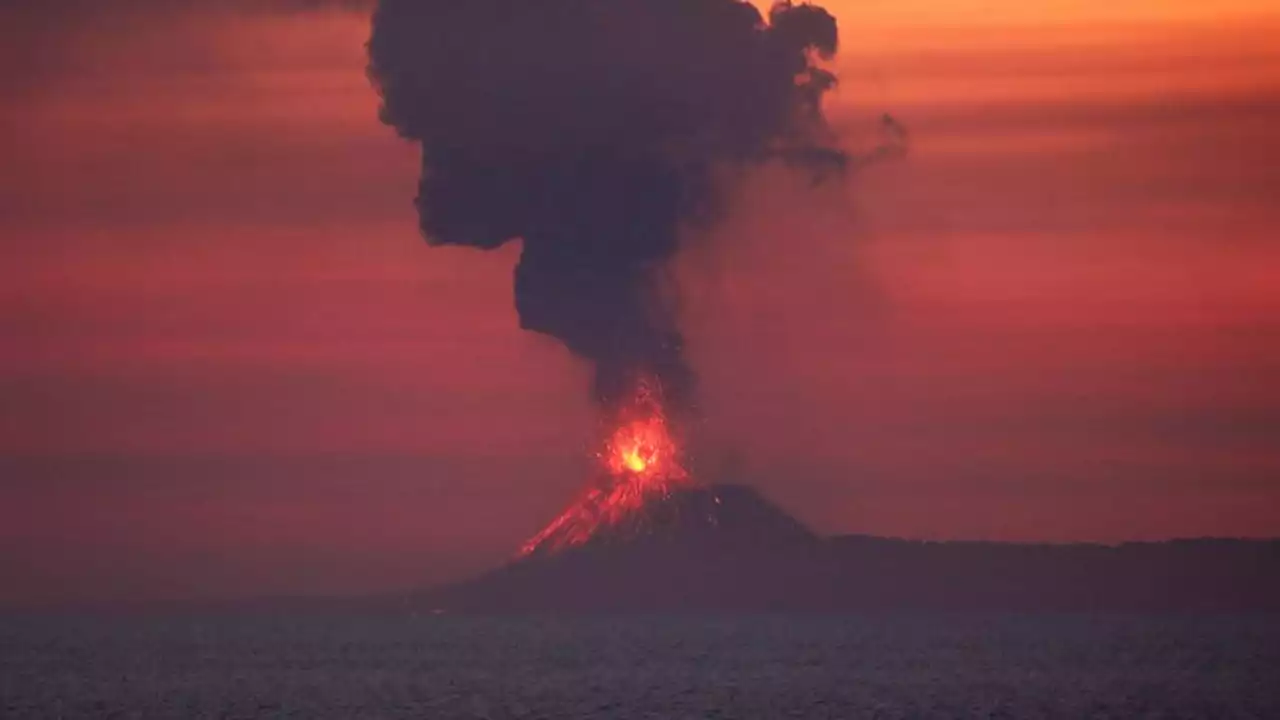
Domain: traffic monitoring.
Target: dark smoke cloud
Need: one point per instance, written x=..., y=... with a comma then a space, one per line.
x=592, y=130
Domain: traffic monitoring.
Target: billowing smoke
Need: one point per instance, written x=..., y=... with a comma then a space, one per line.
x=593, y=130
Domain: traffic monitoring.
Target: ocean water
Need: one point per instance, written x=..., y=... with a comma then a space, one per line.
x=336, y=666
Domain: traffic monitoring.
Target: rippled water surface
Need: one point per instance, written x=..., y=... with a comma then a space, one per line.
x=770, y=667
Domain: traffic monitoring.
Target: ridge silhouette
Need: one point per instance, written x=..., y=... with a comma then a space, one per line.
x=726, y=548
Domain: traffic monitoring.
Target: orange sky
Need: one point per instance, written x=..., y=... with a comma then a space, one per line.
x=226, y=346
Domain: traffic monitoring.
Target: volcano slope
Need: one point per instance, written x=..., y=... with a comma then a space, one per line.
x=727, y=549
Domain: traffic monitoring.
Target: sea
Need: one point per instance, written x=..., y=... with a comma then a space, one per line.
x=349, y=665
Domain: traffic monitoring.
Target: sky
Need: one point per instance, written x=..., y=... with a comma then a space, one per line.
x=231, y=366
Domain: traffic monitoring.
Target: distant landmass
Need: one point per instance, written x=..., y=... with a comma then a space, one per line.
x=727, y=549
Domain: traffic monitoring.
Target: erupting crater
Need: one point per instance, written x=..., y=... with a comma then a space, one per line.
x=641, y=463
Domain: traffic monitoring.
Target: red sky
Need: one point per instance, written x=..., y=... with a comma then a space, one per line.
x=231, y=366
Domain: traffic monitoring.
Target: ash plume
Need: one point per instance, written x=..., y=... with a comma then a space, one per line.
x=593, y=130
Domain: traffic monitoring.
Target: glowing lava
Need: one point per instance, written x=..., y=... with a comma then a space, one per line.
x=641, y=463
x=644, y=448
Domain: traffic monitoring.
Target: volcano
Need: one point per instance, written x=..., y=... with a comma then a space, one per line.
x=696, y=548
x=725, y=516
x=726, y=548
x=693, y=516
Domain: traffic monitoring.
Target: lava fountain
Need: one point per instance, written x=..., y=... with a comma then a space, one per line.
x=641, y=462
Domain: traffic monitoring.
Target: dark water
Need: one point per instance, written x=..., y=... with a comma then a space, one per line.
x=774, y=667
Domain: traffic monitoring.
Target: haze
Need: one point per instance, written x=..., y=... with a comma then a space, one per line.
x=231, y=366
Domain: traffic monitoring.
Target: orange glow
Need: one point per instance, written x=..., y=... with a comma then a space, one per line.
x=635, y=462
x=642, y=443
x=641, y=461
